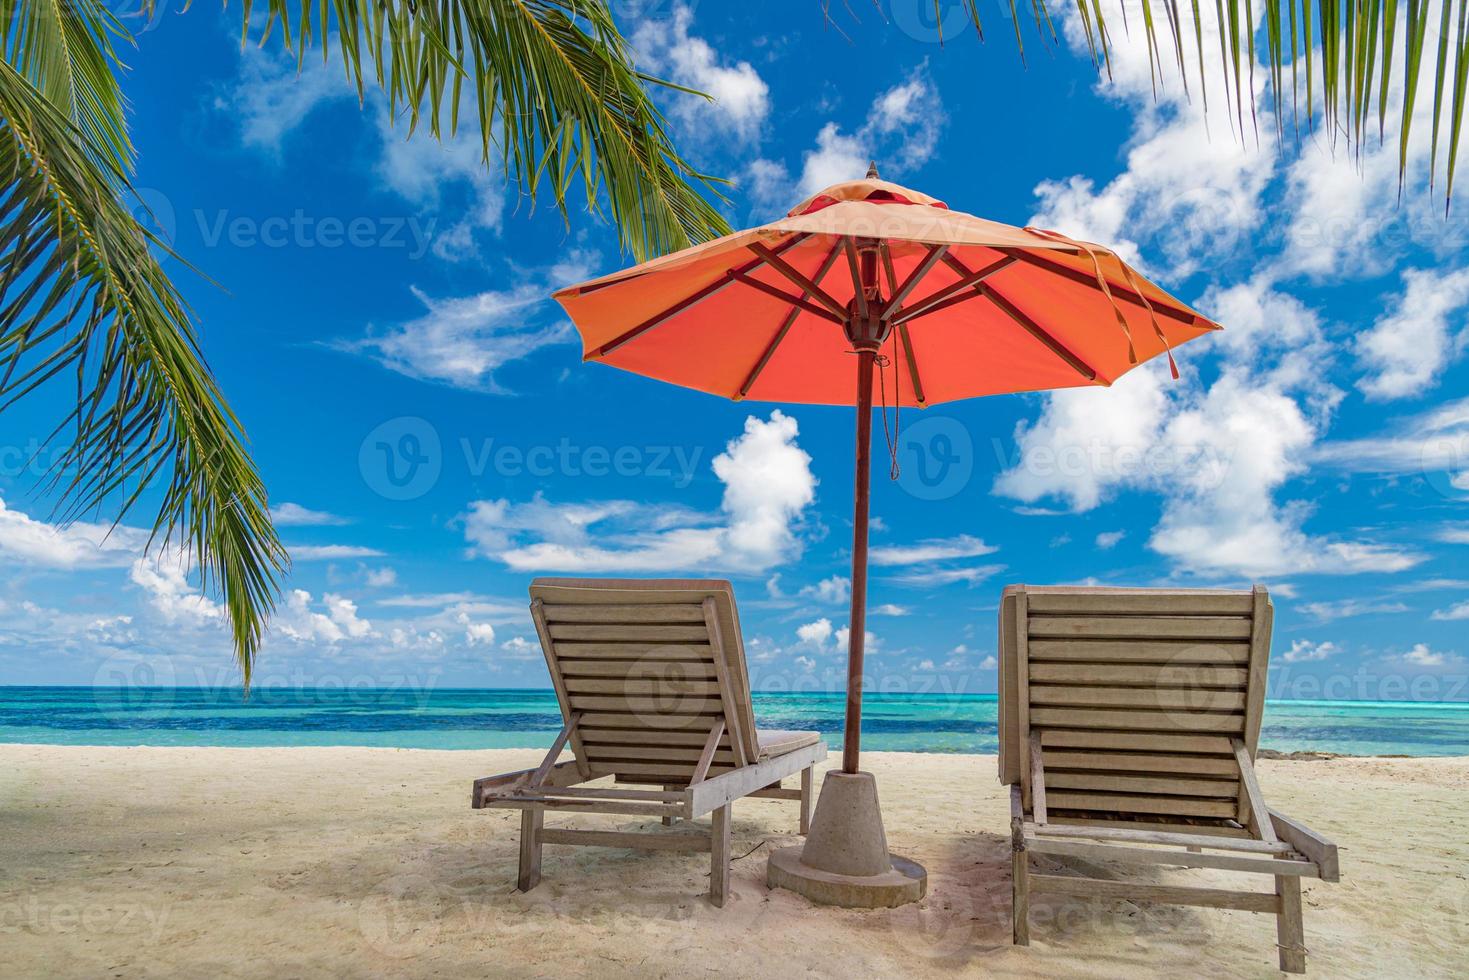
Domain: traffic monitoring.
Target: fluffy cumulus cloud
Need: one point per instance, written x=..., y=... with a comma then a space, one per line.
x=27, y=541
x=901, y=132
x=1408, y=348
x=1220, y=456
x=1190, y=185
x=164, y=578
x=331, y=621
x=768, y=484
x=739, y=99
x=1305, y=651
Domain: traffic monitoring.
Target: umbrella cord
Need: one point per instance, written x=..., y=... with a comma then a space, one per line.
x=891, y=435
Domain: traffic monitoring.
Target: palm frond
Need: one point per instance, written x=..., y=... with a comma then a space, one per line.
x=82, y=294
x=1345, y=51
x=558, y=99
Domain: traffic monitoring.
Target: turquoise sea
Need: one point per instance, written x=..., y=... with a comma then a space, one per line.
x=480, y=719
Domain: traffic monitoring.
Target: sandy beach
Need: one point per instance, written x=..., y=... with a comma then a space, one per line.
x=369, y=862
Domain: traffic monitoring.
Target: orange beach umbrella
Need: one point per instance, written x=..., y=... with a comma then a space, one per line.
x=954, y=305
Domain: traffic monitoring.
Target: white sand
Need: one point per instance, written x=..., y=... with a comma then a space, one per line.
x=335, y=861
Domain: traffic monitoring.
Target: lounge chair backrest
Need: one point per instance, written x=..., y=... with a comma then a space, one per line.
x=649, y=666
x=1136, y=696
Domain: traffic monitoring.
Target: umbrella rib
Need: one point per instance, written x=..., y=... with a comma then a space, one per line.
x=784, y=268
x=857, y=288
x=887, y=266
x=800, y=302
x=692, y=300
x=912, y=360
x=935, y=252
x=785, y=327
x=1038, y=332
x=947, y=296
x=1087, y=279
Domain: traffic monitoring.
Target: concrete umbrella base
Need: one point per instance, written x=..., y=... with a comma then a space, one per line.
x=845, y=860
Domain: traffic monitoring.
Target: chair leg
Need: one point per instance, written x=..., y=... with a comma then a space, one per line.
x=719, y=841
x=531, y=821
x=1289, y=927
x=806, y=800
x=1020, y=896
x=668, y=821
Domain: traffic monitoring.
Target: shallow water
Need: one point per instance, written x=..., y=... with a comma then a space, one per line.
x=481, y=719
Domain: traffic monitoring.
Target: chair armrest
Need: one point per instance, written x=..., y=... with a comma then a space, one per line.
x=511, y=783
x=1017, y=818
x=1308, y=842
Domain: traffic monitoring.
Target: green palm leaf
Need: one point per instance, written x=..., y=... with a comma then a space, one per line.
x=1357, y=42
x=552, y=81
x=83, y=296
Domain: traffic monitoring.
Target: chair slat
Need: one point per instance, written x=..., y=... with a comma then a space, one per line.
x=1140, y=675
x=1140, y=651
x=689, y=652
x=1143, y=627
x=1197, y=765
x=651, y=633
x=1150, y=602
x=1140, y=803
x=1136, y=720
x=1223, y=789
x=1136, y=741
x=1192, y=699
x=670, y=612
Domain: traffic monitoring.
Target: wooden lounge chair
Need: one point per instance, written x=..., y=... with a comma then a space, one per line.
x=651, y=679
x=1129, y=720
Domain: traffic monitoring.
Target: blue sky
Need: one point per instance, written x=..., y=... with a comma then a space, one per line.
x=379, y=318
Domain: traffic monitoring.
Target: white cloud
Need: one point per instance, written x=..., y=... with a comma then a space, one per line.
x=970, y=575
x=767, y=486
x=836, y=589
x=1108, y=540
x=1407, y=349
x=476, y=633
x=381, y=578
x=1219, y=456
x=164, y=576
x=1421, y=655
x=900, y=132
x=1434, y=442
x=273, y=98
x=989, y=663
x=1304, y=651
x=925, y=665
x=27, y=541
x=1343, y=608
x=741, y=99
x=520, y=648
x=1191, y=186
x=462, y=341
x=888, y=609
x=334, y=622
x=330, y=552
x=815, y=634
x=419, y=168
x=1454, y=534
x=295, y=515
x=931, y=550
x=1455, y=612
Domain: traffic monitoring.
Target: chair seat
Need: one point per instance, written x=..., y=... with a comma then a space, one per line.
x=775, y=741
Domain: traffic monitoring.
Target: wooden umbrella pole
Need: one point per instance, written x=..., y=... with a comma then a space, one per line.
x=857, y=625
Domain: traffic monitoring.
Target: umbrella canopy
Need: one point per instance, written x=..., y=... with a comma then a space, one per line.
x=957, y=306
x=962, y=306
